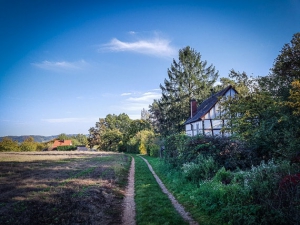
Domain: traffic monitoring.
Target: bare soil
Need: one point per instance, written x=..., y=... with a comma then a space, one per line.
x=129, y=203
x=62, y=187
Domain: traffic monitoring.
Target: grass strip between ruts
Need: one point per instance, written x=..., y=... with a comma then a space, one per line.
x=152, y=205
x=179, y=191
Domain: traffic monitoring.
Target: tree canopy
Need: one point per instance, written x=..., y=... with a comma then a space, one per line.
x=188, y=78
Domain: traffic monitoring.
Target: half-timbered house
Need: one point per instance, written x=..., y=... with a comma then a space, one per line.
x=206, y=118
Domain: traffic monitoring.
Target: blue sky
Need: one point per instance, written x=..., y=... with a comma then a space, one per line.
x=64, y=64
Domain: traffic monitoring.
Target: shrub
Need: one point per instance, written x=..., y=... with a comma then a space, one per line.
x=28, y=147
x=7, y=145
x=66, y=148
x=224, y=176
x=175, y=149
x=205, y=168
x=154, y=150
x=227, y=152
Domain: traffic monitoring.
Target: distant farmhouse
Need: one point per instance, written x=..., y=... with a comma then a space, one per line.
x=58, y=143
x=205, y=119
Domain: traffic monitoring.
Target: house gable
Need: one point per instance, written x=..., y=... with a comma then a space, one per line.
x=205, y=120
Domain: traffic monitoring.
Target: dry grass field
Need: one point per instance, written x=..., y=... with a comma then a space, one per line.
x=62, y=187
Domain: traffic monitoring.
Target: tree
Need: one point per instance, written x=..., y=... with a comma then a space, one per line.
x=28, y=145
x=63, y=136
x=286, y=69
x=111, y=140
x=145, y=115
x=294, y=98
x=189, y=78
x=136, y=126
x=266, y=114
x=82, y=139
x=8, y=145
x=100, y=134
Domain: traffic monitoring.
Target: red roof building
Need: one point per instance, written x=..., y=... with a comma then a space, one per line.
x=61, y=143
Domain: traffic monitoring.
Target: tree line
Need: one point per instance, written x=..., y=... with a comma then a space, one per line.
x=29, y=144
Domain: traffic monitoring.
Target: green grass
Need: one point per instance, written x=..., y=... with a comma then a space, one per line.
x=152, y=205
x=182, y=190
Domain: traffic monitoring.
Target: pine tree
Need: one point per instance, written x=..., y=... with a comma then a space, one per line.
x=189, y=78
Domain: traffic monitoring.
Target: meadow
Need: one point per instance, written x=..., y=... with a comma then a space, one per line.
x=62, y=187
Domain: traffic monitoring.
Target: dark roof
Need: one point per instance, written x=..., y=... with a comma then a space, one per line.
x=206, y=105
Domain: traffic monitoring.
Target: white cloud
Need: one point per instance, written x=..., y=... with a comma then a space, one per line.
x=157, y=46
x=145, y=97
x=60, y=65
x=139, y=101
x=125, y=94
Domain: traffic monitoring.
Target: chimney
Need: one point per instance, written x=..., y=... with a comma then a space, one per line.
x=193, y=107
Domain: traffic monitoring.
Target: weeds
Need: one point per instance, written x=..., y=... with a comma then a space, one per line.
x=235, y=197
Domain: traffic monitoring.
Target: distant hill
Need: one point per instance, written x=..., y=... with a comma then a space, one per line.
x=37, y=138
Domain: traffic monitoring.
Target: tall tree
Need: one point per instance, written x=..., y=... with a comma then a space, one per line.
x=103, y=133
x=286, y=69
x=266, y=115
x=189, y=78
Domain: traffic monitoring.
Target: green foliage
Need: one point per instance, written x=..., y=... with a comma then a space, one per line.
x=144, y=142
x=294, y=98
x=175, y=149
x=225, y=151
x=111, y=140
x=188, y=78
x=66, y=148
x=8, y=145
x=224, y=176
x=286, y=69
x=250, y=196
x=114, y=132
x=63, y=136
x=28, y=146
x=204, y=169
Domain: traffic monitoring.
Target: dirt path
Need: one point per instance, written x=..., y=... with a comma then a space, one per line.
x=129, y=204
x=185, y=215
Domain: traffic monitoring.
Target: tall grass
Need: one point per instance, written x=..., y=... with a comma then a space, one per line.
x=242, y=197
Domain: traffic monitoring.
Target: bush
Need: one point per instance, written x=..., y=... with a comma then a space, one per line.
x=8, y=145
x=204, y=169
x=28, y=147
x=227, y=153
x=175, y=149
x=224, y=176
x=66, y=148
x=154, y=150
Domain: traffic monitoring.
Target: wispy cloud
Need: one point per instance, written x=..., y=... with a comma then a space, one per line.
x=145, y=97
x=156, y=46
x=60, y=65
x=125, y=94
x=140, y=101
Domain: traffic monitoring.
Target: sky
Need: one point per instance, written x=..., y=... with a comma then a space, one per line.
x=65, y=64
